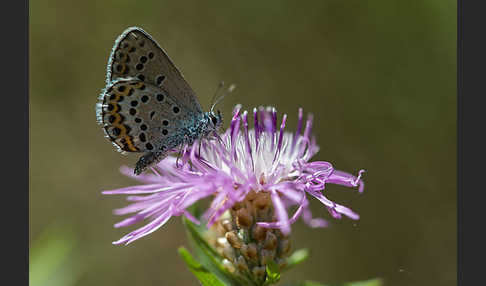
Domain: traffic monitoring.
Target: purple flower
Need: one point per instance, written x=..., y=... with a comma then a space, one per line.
x=263, y=159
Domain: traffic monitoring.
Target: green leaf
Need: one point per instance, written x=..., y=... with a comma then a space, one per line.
x=202, y=273
x=195, y=234
x=211, y=259
x=296, y=258
x=273, y=273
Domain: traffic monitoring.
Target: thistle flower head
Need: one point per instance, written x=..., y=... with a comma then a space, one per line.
x=255, y=174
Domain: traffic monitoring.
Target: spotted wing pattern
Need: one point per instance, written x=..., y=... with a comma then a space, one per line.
x=139, y=117
x=136, y=55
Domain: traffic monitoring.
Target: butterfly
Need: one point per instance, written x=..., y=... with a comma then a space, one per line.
x=147, y=106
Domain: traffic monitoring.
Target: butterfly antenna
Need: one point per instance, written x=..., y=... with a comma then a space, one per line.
x=220, y=86
x=230, y=89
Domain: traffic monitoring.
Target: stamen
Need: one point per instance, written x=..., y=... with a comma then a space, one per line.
x=234, y=136
x=247, y=140
x=299, y=128
x=280, y=137
x=274, y=119
x=308, y=125
x=256, y=128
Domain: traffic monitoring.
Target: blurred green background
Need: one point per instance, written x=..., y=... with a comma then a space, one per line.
x=379, y=76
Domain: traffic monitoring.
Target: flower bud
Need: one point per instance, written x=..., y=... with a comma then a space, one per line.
x=243, y=218
x=284, y=247
x=228, y=253
x=259, y=233
x=249, y=251
x=266, y=256
x=247, y=246
x=241, y=264
x=233, y=239
x=270, y=241
x=227, y=225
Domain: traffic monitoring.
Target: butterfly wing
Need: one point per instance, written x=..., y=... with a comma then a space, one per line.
x=135, y=54
x=140, y=117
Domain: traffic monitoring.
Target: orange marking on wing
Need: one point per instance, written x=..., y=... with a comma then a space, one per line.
x=123, y=131
x=124, y=135
x=137, y=84
x=128, y=140
x=128, y=91
x=118, y=118
x=118, y=121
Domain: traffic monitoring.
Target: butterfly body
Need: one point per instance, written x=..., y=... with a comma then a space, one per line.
x=196, y=127
x=147, y=106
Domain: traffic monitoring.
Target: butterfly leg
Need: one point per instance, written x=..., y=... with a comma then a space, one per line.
x=147, y=160
x=179, y=155
x=219, y=138
x=199, y=153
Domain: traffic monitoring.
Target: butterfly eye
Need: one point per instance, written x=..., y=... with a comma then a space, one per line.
x=214, y=120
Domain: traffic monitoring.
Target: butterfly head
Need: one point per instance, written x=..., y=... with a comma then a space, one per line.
x=215, y=120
